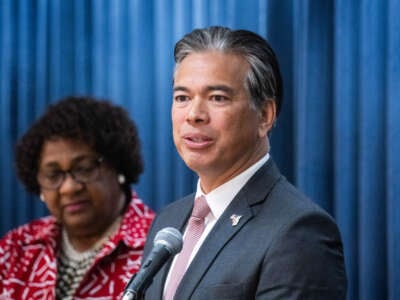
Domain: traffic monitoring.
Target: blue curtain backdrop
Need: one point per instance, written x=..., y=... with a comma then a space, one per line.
x=337, y=139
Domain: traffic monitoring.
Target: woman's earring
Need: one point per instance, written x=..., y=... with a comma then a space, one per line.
x=41, y=197
x=121, y=179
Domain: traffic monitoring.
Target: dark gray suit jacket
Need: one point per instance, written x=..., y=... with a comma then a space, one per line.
x=284, y=247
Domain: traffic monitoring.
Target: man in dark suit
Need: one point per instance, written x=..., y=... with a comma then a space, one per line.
x=260, y=237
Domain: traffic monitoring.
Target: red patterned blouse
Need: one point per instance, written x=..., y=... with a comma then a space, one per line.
x=28, y=258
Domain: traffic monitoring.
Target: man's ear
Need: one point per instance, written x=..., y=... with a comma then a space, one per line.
x=267, y=117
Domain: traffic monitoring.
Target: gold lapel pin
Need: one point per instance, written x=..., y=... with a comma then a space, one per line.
x=235, y=219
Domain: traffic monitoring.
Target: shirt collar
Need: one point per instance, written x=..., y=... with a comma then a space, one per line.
x=219, y=198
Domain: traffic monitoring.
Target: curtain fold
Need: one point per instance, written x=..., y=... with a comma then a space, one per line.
x=6, y=220
x=392, y=148
x=337, y=138
x=371, y=192
x=345, y=134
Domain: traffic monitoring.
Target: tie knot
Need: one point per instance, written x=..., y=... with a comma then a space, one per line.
x=200, y=208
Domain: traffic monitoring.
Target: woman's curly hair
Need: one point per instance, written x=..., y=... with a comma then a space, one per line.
x=104, y=127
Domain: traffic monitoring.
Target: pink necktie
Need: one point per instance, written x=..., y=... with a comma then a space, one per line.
x=194, y=230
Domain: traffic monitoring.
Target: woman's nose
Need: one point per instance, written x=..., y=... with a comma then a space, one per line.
x=69, y=183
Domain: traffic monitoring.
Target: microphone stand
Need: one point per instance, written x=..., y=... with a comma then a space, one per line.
x=131, y=294
x=167, y=243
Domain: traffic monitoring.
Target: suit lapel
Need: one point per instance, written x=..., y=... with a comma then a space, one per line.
x=221, y=234
x=177, y=220
x=255, y=191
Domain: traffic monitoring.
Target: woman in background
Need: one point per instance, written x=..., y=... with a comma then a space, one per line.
x=81, y=157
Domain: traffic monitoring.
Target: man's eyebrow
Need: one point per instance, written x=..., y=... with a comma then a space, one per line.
x=208, y=88
x=180, y=88
x=223, y=88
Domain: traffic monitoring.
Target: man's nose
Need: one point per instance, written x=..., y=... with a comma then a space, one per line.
x=198, y=111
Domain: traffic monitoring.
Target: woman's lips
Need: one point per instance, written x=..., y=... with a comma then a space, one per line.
x=75, y=206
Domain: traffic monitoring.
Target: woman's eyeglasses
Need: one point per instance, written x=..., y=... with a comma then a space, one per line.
x=85, y=171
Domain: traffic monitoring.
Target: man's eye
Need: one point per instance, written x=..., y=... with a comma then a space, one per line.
x=181, y=98
x=219, y=98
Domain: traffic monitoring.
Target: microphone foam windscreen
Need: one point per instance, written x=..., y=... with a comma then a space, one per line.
x=171, y=238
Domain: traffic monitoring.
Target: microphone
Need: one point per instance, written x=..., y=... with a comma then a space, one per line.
x=167, y=243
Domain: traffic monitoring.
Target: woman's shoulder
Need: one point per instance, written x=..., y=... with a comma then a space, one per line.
x=32, y=232
x=135, y=224
x=137, y=207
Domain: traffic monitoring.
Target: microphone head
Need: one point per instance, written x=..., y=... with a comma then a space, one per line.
x=171, y=238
